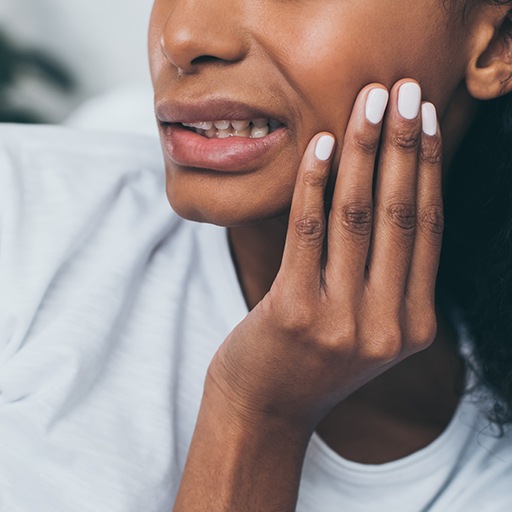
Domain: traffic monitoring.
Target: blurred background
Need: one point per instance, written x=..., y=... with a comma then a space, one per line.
x=76, y=63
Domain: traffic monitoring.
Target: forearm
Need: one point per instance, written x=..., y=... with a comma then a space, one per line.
x=236, y=465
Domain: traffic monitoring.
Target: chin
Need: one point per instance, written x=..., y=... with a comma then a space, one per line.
x=224, y=211
x=228, y=201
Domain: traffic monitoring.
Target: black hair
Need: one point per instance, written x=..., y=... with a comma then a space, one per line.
x=476, y=261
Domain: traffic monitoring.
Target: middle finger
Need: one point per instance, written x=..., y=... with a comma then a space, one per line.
x=395, y=194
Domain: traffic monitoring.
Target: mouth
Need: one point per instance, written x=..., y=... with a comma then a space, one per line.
x=248, y=128
x=221, y=134
x=232, y=153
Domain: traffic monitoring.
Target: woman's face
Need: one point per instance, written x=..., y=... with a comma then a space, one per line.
x=301, y=62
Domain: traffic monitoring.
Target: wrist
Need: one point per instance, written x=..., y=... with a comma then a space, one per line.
x=239, y=460
x=224, y=404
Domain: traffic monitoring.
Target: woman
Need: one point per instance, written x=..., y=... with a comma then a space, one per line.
x=303, y=342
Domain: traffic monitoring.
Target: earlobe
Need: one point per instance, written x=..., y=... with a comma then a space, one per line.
x=489, y=70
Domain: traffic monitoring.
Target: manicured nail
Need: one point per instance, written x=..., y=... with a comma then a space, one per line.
x=323, y=148
x=376, y=102
x=409, y=99
x=429, y=118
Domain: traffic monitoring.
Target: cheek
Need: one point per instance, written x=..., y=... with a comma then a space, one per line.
x=331, y=64
x=333, y=60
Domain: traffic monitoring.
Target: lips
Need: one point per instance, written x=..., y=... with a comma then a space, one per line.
x=212, y=110
x=187, y=148
x=234, y=154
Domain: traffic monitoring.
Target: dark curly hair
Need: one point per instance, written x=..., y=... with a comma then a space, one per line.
x=476, y=261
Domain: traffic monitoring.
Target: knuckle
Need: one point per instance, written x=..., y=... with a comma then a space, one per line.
x=295, y=319
x=430, y=152
x=348, y=334
x=356, y=218
x=314, y=177
x=386, y=347
x=334, y=347
x=295, y=325
x=341, y=337
x=406, y=139
x=309, y=228
x=431, y=220
x=402, y=215
x=423, y=333
x=365, y=143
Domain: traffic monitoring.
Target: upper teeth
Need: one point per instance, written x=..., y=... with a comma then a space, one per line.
x=224, y=124
x=255, y=128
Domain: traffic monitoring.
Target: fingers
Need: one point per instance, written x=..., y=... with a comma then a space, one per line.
x=387, y=239
x=301, y=263
x=421, y=281
x=350, y=218
x=385, y=223
x=395, y=216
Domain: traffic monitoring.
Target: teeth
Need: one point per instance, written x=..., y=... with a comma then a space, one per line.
x=240, y=125
x=204, y=125
x=246, y=132
x=221, y=125
x=260, y=123
x=257, y=133
x=222, y=129
x=223, y=134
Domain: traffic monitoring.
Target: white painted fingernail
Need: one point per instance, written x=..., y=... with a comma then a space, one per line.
x=376, y=102
x=409, y=99
x=429, y=119
x=323, y=148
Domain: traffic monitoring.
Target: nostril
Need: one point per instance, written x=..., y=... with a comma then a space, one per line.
x=204, y=59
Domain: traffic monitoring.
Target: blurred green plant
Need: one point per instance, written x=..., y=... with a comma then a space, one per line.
x=16, y=64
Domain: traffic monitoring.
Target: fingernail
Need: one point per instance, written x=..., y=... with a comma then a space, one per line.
x=323, y=148
x=376, y=102
x=429, y=119
x=409, y=99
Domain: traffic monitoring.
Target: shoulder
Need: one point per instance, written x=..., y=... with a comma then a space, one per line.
x=34, y=137
x=43, y=152
x=56, y=180
x=68, y=195
x=56, y=171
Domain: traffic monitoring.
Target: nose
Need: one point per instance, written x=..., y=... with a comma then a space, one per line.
x=200, y=31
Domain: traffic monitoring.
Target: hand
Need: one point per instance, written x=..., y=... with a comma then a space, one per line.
x=325, y=329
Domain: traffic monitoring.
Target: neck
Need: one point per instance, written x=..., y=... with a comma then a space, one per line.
x=257, y=250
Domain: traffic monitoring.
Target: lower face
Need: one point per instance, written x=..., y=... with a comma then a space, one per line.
x=304, y=61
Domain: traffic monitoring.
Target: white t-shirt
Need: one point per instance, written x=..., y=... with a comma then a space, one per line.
x=111, y=308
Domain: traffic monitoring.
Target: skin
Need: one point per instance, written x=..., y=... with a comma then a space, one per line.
x=326, y=345
x=319, y=39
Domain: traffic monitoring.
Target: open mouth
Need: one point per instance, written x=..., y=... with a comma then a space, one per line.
x=253, y=129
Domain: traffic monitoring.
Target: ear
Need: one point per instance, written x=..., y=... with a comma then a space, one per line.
x=489, y=70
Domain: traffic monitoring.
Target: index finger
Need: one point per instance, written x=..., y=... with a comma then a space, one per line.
x=301, y=262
